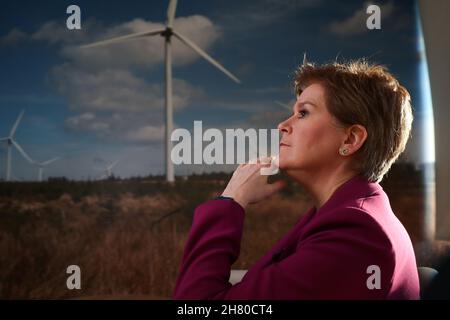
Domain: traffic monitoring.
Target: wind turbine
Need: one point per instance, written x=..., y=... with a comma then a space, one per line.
x=10, y=143
x=41, y=166
x=283, y=105
x=108, y=170
x=167, y=34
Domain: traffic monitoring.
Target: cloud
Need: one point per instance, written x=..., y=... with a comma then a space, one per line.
x=117, y=127
x=356, y=24
x=108, y=90
x=147, y=134
x=14, y=37
x=139, y=53
x=149, y=52
x=55, y=32
x=116, y=104
x=117, y=90
x=89, y=122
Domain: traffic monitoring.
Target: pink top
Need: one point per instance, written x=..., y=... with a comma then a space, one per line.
x=328, y=254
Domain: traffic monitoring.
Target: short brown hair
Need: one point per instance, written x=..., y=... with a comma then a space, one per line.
x=358, y=92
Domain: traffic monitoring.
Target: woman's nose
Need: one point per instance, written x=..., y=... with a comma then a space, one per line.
x=284, y=126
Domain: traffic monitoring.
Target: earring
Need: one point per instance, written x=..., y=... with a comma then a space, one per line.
x=343, y=151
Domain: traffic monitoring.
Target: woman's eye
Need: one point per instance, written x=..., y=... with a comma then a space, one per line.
x=302, y=113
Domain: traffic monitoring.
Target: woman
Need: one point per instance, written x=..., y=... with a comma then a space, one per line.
x=349, y=124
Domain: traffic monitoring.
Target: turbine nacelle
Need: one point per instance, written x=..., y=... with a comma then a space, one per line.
x=167, y=33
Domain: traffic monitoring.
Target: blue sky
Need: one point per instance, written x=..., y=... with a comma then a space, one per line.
x=106, y=105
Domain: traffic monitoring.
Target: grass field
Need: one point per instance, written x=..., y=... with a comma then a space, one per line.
x=127, y=236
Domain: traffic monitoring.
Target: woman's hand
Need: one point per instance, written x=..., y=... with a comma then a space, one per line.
x=248, y=185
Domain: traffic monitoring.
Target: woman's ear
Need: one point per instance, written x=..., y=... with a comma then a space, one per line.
x=356, y=136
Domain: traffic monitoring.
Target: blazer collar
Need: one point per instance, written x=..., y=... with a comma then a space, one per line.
x=354, y=188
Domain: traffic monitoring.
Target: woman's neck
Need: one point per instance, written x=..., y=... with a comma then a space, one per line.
x=321, y=186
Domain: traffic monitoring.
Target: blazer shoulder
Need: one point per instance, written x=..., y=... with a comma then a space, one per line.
x=352, y=224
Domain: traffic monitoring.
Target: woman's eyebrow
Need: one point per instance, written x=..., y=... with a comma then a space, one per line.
x=301, y=104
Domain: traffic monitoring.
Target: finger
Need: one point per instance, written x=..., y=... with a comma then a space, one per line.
x=265, y=160
x=260, y=165
x=276, y=186
x=239, y=167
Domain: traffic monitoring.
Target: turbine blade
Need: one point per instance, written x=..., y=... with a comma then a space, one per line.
x=3, y=139
x=171, y=12
x=207, y=57
x=283, y=105
x=50, y=161
x=22, y=152
x=122, y=38
x=112, y=165
x=16, y=124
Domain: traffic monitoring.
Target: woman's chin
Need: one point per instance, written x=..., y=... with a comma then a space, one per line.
x=284, y=161
x=283, y=164
x=286, y=165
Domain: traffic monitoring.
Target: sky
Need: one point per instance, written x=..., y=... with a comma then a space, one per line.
x=92, y=107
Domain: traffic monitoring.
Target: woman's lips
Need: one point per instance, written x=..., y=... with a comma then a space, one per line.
x=283, y=144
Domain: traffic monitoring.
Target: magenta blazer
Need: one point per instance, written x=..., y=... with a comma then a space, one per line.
x=331, y=253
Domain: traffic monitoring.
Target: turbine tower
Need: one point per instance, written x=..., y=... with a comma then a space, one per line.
x=10, y=143
x=167, y=34
x=41, y=166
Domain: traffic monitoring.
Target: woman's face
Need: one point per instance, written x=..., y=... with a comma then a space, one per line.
x=310, y=138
